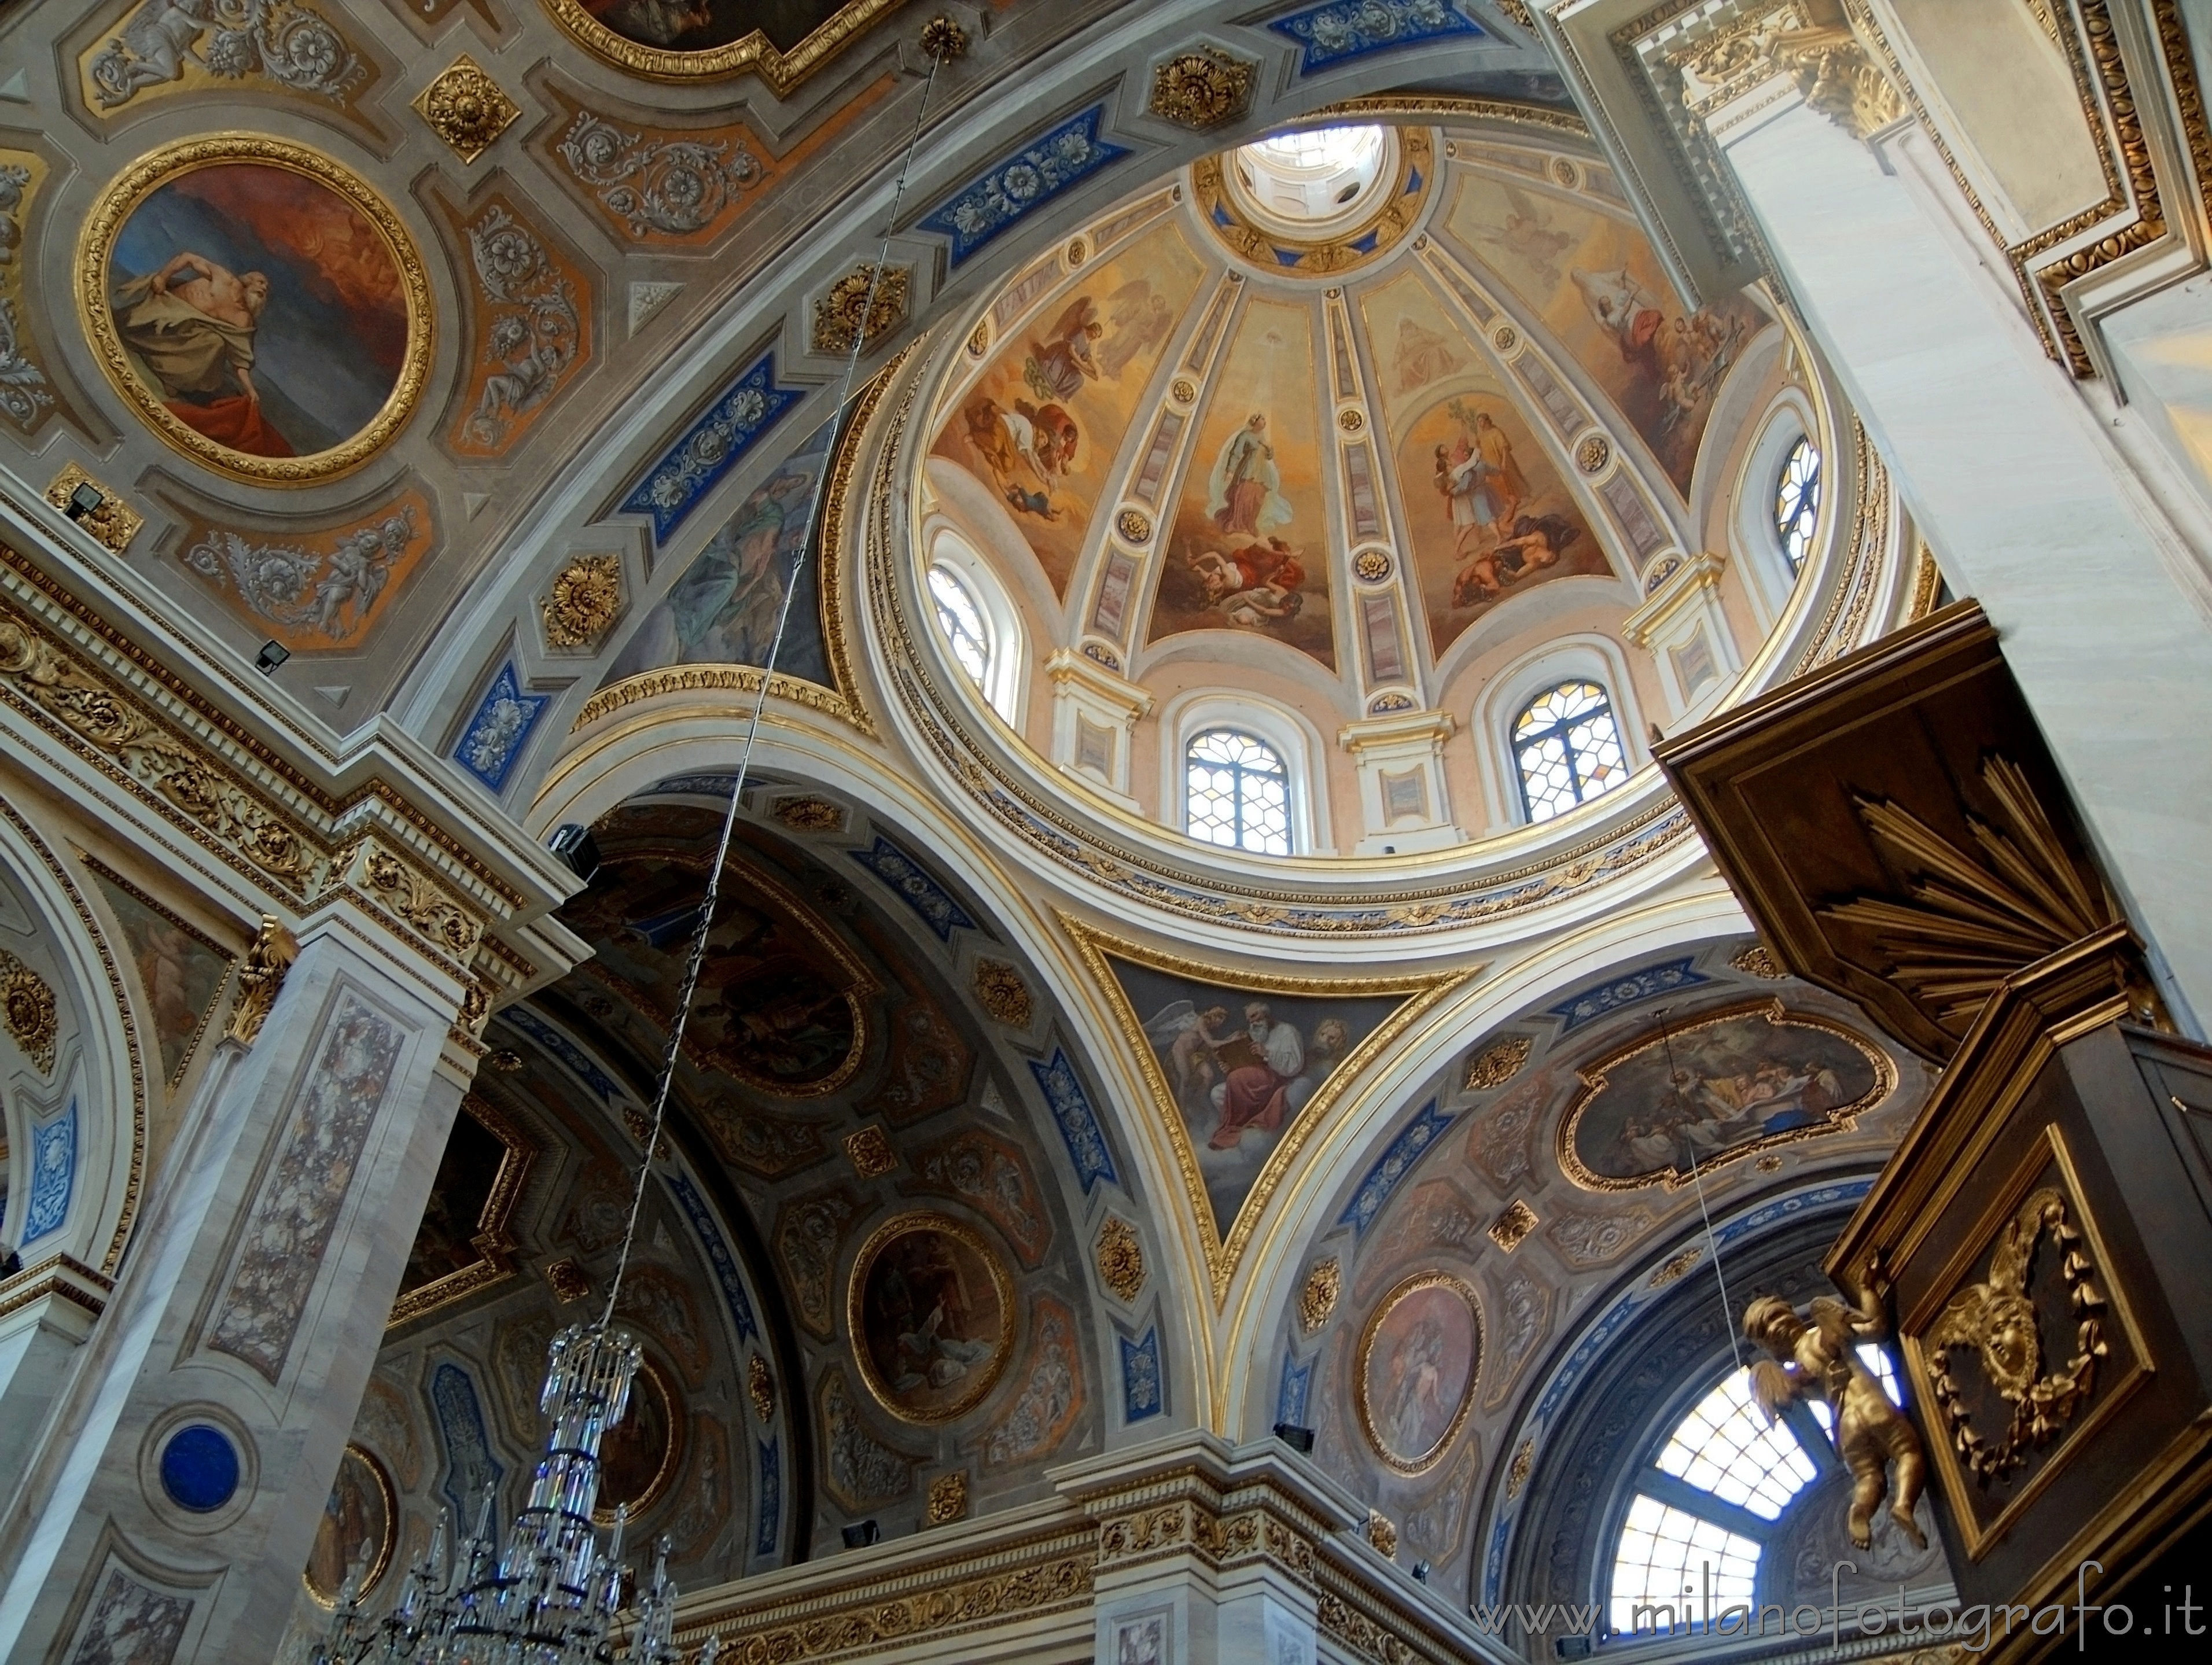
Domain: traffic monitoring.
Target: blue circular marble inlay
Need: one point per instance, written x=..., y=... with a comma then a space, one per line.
x=199, y=1468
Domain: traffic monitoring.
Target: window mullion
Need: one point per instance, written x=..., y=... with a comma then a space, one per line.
x=1656, y=1482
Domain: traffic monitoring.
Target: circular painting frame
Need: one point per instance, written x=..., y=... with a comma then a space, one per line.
x=673, y=1413
x=387, y=1544
x=110, y=219
x=782, y=70
x=979, y=1382
x=1405, y=1289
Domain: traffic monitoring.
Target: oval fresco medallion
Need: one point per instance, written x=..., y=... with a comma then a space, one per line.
x=783, y=40
x=360, y=1526
x=259, y=305
x=1737, y=1081
x=1415, y=1369
x=930, y=1311
x=638, y=1455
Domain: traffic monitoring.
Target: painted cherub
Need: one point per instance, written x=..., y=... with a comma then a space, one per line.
x=1816, y=1357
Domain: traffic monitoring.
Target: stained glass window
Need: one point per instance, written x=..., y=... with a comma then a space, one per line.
x=1797, y=502
x=962, y=621
x=1237, y=792
x=1568, y=749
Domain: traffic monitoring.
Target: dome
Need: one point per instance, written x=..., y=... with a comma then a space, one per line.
x=1360, y=441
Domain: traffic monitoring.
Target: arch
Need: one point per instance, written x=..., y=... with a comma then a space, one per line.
x=1286, y=732
x=1589, y=658
x=1770, y=576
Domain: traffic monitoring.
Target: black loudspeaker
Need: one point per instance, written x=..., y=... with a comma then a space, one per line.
x=578, y=850
x=83, y=501
x=861, y=1535
x=1298, y=1439
x=272, y=654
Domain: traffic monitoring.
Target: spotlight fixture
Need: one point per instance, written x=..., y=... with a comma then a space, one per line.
x=272, y=654
x=1298, y=1439
x=1571, y=1647
x=861, y=1535
x=85, y=500
x=1420, y=1572
x=578, y=852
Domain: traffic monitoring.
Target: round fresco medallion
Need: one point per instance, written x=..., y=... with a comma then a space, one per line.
x=931, y=1311
x=358, y=1528
x=259, y=306
x=638, y=1455
x=784, y=41
x=1416, y=1368
x=1737, y=1081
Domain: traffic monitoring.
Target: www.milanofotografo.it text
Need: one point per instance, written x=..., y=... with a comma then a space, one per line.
x=1974, y=1628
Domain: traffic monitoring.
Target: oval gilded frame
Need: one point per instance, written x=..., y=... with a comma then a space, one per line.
x=782, y=70
x=382, y=1559
x=95, y=253
x=1842, y=1119
x=671, y=1453
x=898, y=1226
x=1390, y=1303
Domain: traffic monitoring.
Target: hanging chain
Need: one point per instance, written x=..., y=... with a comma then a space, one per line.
x=1712, y=1243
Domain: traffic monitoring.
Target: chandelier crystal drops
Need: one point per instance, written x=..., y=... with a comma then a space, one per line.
x=554, y=1597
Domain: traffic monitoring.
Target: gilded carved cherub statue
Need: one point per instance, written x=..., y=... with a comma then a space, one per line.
x=1816, y=1357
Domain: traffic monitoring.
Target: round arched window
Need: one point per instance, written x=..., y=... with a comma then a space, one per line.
x=1237, y=792
x=1797, y=502
x=1567, y=747
x=962, y=623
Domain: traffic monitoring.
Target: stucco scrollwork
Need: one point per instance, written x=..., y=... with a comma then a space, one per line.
x=27, y=1006
x=673, y=186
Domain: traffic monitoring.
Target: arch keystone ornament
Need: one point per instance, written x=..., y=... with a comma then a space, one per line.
x=1242, y=1068
x=336, y=285
x=1201, y=88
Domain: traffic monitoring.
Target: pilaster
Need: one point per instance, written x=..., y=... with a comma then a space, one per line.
x=1686, y=633
x=1094, y=714
x=1404, y=804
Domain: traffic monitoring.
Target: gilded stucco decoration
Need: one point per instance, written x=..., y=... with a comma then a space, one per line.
x=110, y=520
x=314, y=589
x=1510, y=1228
x=28, y=1007
x=1754, y=960
x=567, y=1281
x=1403, y=203
x=260, y=977
x=584, y=601
x=866, y=304
x=1120, y=1258
x=177, y=341
x=948, y=1499
x=25, y=394
x=810, y=814
x=869, y=1151
x=422, y=902
x=466, y=109
x=1317, y=1296
x=1002, y=994
x=1499, y=1063
x=175, y=47
x=714, y=42
x=1383, y=1533
x=491, y=1234
x=760, y=1387
x=529, y=313
x=1201, y=88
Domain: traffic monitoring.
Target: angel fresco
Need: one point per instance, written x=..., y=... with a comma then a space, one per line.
x=1526, y=233
x=1816, y=1356
x=1141, y=318
x=1245, y=488
x=1067, y=356
x=1040, y=438
x=1678, y=363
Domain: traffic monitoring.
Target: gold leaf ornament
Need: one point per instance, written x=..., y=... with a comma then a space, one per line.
x=584, y=600
x=28, y=1007
x=466, y=109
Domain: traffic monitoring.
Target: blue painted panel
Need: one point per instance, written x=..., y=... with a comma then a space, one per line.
x=495, y=736
x=1296, y=1384
x=718, y=1254
x=470, y=1466
x=1341, y=30
x=771, y=1497
x=917, y=886
x=523, y=1018
x=1077, y=1123
x=1142, y=1391
x=1395, y=1163
x=710, y=447
x=53, y=1175
x=199, y=1468
x=1016, y=187
x=1589, y=1005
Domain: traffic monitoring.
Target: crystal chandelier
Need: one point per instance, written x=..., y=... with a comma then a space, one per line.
x=556, y=1597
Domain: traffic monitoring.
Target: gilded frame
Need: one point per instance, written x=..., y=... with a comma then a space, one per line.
x=1383, y=1307
x=381, y=1562
x=1328, y=257
x=929, y=1220
x=2050, y=1148
x=1421, y=994
x=95, y=255
x=782, y=70
x=671, y=1456
x=1842, y=1118
x=494, y=1240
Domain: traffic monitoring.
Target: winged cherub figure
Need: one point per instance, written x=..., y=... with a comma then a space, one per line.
x=1816, y=1357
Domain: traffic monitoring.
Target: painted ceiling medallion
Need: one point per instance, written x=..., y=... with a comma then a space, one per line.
x=1413, y=1375
x=717, y=38
x=1244, y=1067
x=931, y=1312
x=465, y=107
x=1273, y=248
x=296, y=366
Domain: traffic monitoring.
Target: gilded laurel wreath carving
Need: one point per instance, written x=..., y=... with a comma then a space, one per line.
x=585, y=598
x=1997, y=1320
x=1120, y=1258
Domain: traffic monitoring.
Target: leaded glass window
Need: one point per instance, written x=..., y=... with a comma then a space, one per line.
x=962, y=623
x=1662, y=1563
x=1567, y=747
x=1237, y=792
x=1797, y=502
